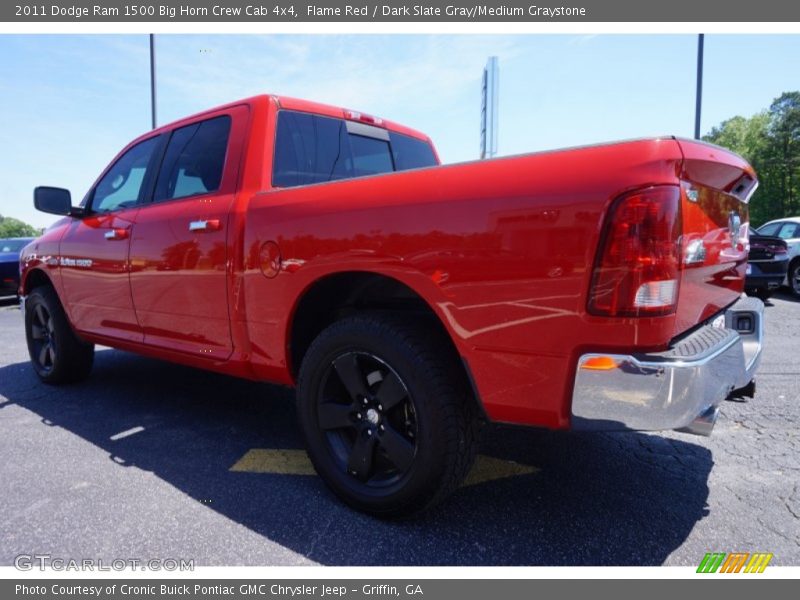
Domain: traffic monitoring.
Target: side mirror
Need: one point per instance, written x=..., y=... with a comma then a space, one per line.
x=53, y=200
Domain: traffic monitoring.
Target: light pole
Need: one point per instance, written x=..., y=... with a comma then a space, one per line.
x=490, y=92
x=153, y=79
x=699, y=98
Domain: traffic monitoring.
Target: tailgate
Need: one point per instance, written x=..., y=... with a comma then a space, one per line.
x=717, y=185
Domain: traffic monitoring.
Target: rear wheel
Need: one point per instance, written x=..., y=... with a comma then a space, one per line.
x=388, y=420
x=57, y=354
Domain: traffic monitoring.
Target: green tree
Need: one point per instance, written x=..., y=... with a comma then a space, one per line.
x=770, y=141
x=10, y=227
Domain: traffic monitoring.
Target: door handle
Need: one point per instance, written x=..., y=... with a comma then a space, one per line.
x=116, y=234
x=205, y=225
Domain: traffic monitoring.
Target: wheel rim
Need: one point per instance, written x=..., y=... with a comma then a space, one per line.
x=796, y=279
x=367, y=417
x=43, y=338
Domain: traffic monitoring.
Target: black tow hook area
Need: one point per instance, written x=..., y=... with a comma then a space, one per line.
x=739, y=395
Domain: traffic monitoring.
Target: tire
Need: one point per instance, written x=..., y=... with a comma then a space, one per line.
x=793, y=277
x=763, y=294
x=57, y=354
x=389, y=421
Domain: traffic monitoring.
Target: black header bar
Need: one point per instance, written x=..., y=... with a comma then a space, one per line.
x=400, y=11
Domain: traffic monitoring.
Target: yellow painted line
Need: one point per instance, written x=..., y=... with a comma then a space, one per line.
x=296, y=462
x=488, y=468
x=280, y=462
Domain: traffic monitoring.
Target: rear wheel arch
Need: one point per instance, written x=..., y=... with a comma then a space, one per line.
x=349, y=293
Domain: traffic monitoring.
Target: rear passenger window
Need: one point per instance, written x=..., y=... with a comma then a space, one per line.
x=194, y=160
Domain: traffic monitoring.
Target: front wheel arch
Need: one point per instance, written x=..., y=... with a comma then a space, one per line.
x=35, y=278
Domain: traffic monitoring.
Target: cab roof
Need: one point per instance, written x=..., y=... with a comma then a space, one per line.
x=289, y=103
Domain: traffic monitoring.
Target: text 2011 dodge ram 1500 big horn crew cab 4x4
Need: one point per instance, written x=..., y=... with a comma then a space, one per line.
x=280, y=240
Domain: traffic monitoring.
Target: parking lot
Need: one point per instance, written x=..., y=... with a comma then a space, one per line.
x=152, y=460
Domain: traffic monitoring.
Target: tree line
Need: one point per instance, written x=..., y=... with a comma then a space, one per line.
x=770, y=141
x=11, y=227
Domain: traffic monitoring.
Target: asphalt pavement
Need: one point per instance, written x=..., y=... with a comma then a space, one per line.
x=149, y=460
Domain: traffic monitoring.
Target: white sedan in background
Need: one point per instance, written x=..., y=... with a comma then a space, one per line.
x=789, y=230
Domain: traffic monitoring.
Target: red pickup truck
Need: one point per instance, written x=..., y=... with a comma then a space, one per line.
x=280, y=240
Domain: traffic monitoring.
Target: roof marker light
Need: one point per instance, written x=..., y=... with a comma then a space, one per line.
x=361, y=117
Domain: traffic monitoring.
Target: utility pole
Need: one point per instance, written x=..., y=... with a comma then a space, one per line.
x=490, y=100
x=153, y=79
x=699, y=99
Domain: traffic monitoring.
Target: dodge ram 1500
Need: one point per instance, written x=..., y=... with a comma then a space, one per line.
x=595, y=288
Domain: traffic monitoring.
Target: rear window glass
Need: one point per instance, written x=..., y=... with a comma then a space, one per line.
x=411, y=153
x=314, y=149
x=309, y=149
x=370, y=156
x=770, y=229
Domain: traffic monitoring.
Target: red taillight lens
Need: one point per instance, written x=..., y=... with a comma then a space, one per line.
x=637, y=268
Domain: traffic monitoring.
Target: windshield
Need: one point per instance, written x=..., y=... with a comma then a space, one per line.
x=13, y=245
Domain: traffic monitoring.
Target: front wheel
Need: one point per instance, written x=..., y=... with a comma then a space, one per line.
x=57, y=354
x=388, y=420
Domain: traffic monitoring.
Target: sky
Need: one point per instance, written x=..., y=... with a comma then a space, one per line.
x=71, y=102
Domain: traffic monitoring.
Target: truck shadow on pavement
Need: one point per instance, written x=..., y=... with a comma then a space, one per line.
x=597, y=499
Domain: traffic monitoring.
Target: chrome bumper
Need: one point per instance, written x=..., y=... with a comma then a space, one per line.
x=680, y=388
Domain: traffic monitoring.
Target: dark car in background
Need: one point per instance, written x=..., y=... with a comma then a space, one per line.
x=767, y=263
x=9, y=264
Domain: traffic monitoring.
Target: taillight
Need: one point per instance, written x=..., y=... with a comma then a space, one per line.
x=636, y=272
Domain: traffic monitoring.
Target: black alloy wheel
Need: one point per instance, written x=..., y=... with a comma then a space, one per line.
x=43, y=342
x=389, y=419
x=57, y=354
x=368, y=418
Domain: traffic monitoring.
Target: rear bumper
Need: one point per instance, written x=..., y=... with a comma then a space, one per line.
x=766, y=274
x=680, y=388
x=767, y=282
